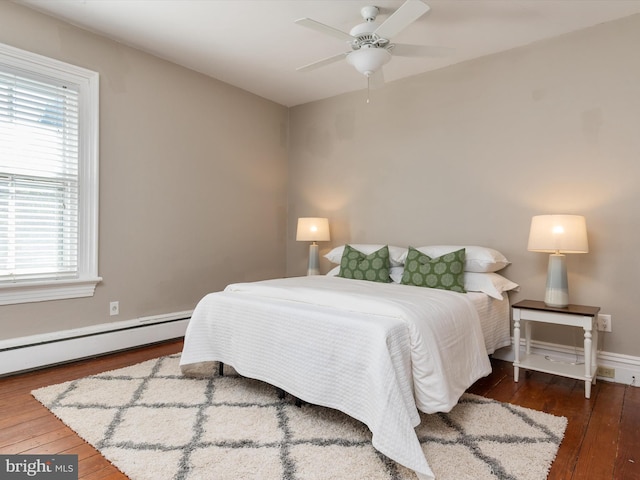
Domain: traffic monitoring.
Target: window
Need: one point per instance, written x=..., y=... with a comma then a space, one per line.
x=48, y=178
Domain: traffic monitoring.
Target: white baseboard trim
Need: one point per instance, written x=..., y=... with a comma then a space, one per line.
x=626, y=367
x=37, y=351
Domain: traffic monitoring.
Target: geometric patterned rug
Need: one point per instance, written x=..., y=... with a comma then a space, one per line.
x=153, y=423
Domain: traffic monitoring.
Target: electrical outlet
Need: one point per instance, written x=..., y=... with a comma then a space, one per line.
x=114, y=308
x=606, y=372
x=604, y=322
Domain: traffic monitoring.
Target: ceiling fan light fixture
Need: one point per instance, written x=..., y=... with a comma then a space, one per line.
x=368, y=60
x=370, y=43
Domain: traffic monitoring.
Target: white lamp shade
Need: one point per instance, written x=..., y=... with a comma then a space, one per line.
x=368, y=60
x=558, y=234
x=313, y=229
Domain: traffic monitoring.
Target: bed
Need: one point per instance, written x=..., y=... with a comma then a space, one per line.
x=378, y=352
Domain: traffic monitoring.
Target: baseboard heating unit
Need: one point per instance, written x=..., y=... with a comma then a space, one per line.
x=37, y=351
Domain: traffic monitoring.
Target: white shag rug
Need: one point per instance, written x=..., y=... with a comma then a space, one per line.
x=153, y=423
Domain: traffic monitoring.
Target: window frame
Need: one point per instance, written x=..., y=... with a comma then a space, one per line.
x=88, y=179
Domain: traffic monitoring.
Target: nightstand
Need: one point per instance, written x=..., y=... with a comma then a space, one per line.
x=528, y=311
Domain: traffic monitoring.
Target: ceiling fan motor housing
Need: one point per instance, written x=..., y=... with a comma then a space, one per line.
x=365, y=36
x=363, y=29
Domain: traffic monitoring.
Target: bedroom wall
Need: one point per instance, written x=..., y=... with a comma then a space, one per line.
x=467, y=154
x=192, y=181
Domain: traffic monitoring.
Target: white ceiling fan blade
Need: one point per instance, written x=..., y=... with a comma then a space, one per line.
x=408, y=12
x=323, y=62
x=321, y=27
x=407, y=50
x=376, y=80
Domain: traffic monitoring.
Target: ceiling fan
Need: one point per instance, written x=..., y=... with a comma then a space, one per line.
x=370, y=42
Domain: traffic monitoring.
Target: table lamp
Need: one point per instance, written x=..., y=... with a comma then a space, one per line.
x=558, y=234
x=312, y=229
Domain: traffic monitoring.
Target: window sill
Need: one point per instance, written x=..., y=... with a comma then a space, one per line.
x=14, y=293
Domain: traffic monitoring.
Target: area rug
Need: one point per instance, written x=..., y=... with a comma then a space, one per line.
x=153, y=423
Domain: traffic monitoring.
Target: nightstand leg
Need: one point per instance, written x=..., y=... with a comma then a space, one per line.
x=516, y=341
x=594, y=354
x=587, y=363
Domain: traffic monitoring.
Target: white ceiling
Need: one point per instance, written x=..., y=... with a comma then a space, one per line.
x=256, y=46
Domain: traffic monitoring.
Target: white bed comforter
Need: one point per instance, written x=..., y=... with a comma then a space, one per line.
x=373, y=351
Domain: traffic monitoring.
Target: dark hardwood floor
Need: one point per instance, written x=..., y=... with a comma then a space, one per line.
x=602, y=440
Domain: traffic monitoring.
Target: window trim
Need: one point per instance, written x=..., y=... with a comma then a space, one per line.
x=88, y=83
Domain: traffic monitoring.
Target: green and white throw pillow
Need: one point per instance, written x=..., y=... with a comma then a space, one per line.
x=445, y=272
x=358, y=266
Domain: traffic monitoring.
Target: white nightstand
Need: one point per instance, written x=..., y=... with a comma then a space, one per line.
x=528, y=311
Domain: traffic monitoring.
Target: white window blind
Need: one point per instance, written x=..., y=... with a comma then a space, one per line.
x=48, y=178
x=38, y=179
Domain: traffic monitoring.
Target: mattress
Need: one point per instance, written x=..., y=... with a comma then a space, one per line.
x=377, y=352
x=494, y=316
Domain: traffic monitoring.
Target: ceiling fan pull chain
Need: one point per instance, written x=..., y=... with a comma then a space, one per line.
x=368, y=87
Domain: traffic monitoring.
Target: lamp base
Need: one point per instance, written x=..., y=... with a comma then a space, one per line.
x=557, y=292
x=314, y=260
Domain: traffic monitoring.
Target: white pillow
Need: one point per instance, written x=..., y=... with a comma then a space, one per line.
x=395, y=273
x=492, y=284
x=334, y=272
x=477, y=259
x=396, y=254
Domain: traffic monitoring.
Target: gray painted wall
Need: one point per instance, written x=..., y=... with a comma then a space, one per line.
x=467, y=154
x=192, y=181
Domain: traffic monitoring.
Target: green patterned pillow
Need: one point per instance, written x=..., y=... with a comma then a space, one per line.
x=445, y=272
x=373, y=267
